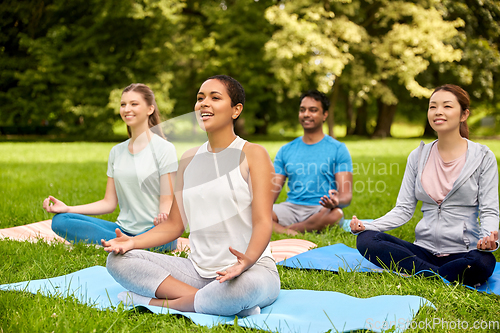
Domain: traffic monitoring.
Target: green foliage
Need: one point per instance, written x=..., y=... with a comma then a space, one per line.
x=479, y=69
x=63, y=58
x=64, y=63
x=319, y=40
x=311, y=46
x=369, y=51
x=226, y=37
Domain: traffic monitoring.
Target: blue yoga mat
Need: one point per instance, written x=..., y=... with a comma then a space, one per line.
x=340, y=256
x=293, y=311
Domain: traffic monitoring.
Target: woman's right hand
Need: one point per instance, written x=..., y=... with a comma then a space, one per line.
x=162, y=217
x=119, y=245
x=356, y=225
x=53, y=205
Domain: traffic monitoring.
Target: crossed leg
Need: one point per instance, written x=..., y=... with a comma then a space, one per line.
x=320, y=220
x=315, y=222
x=173, y=282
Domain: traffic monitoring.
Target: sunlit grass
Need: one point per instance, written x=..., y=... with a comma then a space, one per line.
x=406, y=130
x=76, y=173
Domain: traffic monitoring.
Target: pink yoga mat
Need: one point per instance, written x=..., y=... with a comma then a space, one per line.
x=32, y=232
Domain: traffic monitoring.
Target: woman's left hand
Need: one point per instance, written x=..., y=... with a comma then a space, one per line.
x=488, y=243
x=234, y=271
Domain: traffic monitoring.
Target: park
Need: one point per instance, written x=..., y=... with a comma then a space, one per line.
x=64, y=66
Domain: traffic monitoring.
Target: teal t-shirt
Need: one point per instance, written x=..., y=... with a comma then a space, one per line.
x=137, y=181
x=311, y=169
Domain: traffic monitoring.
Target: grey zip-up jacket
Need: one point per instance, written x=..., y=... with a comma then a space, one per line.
x=452, y=226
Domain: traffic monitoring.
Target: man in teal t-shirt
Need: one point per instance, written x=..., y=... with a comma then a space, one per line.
x=319, y=172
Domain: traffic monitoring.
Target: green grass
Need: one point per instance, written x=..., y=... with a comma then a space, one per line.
x=76, y=173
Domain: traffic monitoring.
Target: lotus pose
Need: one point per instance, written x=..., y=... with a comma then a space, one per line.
x=457, y=182
x=140, y=177
x=224, y=192
x=319, y=172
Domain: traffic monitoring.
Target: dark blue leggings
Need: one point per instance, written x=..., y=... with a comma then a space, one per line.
x=390, y=252
x=87, y=229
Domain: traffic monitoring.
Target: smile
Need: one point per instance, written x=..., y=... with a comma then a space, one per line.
x=206, y=115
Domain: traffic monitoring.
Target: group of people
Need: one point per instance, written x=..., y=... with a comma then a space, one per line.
x=224, y=192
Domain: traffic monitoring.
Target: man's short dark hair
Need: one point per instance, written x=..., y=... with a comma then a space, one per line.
x=318, y=96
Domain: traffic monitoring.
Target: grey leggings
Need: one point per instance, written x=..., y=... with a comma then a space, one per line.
x=142, y=272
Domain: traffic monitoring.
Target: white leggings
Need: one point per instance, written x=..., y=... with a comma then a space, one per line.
x=142, y=272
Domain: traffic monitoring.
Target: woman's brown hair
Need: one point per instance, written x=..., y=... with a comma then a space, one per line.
x=464, y=101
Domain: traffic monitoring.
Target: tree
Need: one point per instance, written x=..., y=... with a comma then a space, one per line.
x=375, y=49
x=310, y=49
x=63, y=58
x=226, y=37
x=478, y=71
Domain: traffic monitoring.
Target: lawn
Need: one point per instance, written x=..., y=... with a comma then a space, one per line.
x=76, y=174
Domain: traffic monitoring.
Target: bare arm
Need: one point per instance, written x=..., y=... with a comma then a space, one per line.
x=261, y=176
x=405, y=203
x=344, y=188
x=166, y=197
x=166, y=192
x=278, y=182
x=104, y=206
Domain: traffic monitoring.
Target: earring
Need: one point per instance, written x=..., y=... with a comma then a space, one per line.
x=235, y=116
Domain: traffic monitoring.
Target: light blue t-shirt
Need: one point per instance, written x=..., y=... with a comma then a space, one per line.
x=137, y=181
x=311, y=169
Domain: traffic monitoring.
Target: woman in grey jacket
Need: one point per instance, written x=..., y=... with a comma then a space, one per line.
x=457, y=182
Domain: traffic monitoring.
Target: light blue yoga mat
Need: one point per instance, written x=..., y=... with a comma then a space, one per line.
x=293, y=311
x=340, y=256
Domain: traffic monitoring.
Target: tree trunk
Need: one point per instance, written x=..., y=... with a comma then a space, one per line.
x=331, y=122
x=333, y=101
x=428, y=131
x=261, y=114
x=261, y=129
x=349, y=114
x=384, y=119
x=361, y=120
x=239, y=127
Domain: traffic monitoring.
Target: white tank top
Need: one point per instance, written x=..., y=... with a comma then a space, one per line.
x=218, y=207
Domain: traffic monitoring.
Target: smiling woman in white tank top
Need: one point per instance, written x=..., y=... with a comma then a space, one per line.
x=224, y=193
